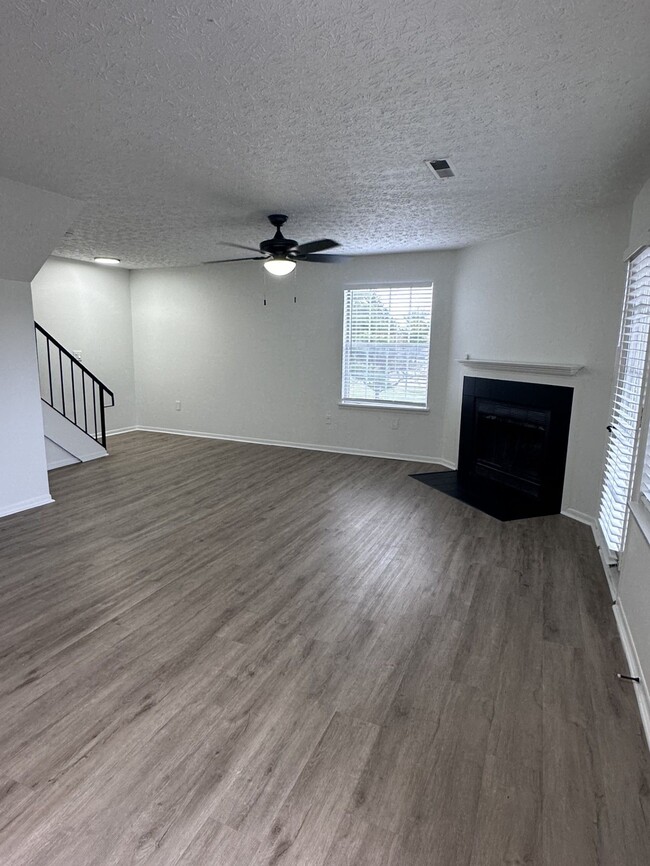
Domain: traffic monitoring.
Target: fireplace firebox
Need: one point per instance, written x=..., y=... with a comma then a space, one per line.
x=510, y=444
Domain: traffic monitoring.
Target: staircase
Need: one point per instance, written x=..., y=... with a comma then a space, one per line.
x=74, y=403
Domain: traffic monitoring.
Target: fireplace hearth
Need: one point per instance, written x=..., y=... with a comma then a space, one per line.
x=512, y=451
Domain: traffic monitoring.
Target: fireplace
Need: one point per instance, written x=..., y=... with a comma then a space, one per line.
x=512, y=451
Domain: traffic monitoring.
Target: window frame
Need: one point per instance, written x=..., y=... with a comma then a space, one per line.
x=644, y=474
x=640, y=494
x=640, y=502
x=639, y=447
x=388, y=405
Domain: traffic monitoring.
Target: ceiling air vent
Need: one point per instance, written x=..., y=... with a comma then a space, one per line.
x=442, y=168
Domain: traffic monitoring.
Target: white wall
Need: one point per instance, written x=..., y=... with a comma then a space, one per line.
x=23, y=472
x=32, y=222
x=87, y=307
x=549, y=294
x=203, y=336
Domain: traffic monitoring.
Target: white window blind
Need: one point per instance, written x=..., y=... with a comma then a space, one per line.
x=386, y=335
x=628, y=396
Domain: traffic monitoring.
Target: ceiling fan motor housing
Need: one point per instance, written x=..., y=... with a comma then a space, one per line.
x=278, y=245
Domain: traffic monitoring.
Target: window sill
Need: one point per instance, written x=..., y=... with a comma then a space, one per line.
x=642, y=518
x=400, y=407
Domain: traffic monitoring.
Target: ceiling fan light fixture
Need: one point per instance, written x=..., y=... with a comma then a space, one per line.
x=279, y=267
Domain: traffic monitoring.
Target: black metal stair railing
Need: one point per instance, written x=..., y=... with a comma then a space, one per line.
x=70, y=388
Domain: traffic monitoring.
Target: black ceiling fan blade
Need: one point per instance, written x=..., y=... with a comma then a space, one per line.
x=315, y=257
x=239, y=246
x=316, y=246
x=246, y=259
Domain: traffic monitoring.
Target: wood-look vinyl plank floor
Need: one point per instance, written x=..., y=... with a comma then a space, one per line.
x=218, y=654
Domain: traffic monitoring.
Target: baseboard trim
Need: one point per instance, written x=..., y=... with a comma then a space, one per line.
x=580, y=516
x=86, y=458
x=448, y=464
x=359, y=452
x=118, y=431
x=26, y=504
x=634, y=667
x=64, y=461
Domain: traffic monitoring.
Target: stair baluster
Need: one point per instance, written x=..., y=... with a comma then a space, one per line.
x=57, y=387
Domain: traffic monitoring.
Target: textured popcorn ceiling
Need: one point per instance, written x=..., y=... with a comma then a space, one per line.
x=182, y=125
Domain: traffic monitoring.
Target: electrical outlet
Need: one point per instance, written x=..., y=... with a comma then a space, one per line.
x=395, y=424
x=328, y=418
x=178, y=405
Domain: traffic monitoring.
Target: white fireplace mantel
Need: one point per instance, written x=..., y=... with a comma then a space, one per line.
x=523, y=366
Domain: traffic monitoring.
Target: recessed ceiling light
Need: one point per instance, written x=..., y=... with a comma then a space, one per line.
x=279, y=267
x=106, y=260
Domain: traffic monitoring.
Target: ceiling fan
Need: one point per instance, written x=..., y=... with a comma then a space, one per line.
x=280, y=254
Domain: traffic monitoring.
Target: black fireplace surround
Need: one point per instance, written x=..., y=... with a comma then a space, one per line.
x=512, y=451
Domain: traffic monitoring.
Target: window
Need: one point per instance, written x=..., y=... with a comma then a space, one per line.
x=626, y=411
x=386, y=332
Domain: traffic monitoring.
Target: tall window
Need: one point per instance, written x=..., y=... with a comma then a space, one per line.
x=386, y=334
x=628, y=396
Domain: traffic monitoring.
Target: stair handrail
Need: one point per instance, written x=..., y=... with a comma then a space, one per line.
x=99, y=389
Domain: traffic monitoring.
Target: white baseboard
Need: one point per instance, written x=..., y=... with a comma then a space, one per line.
x=634, y=666
x=64, y=461
x=360, y=452
x=580, y=516
x=25, y=505
x=442, y=461
x=120, y=430
x=86, y=458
